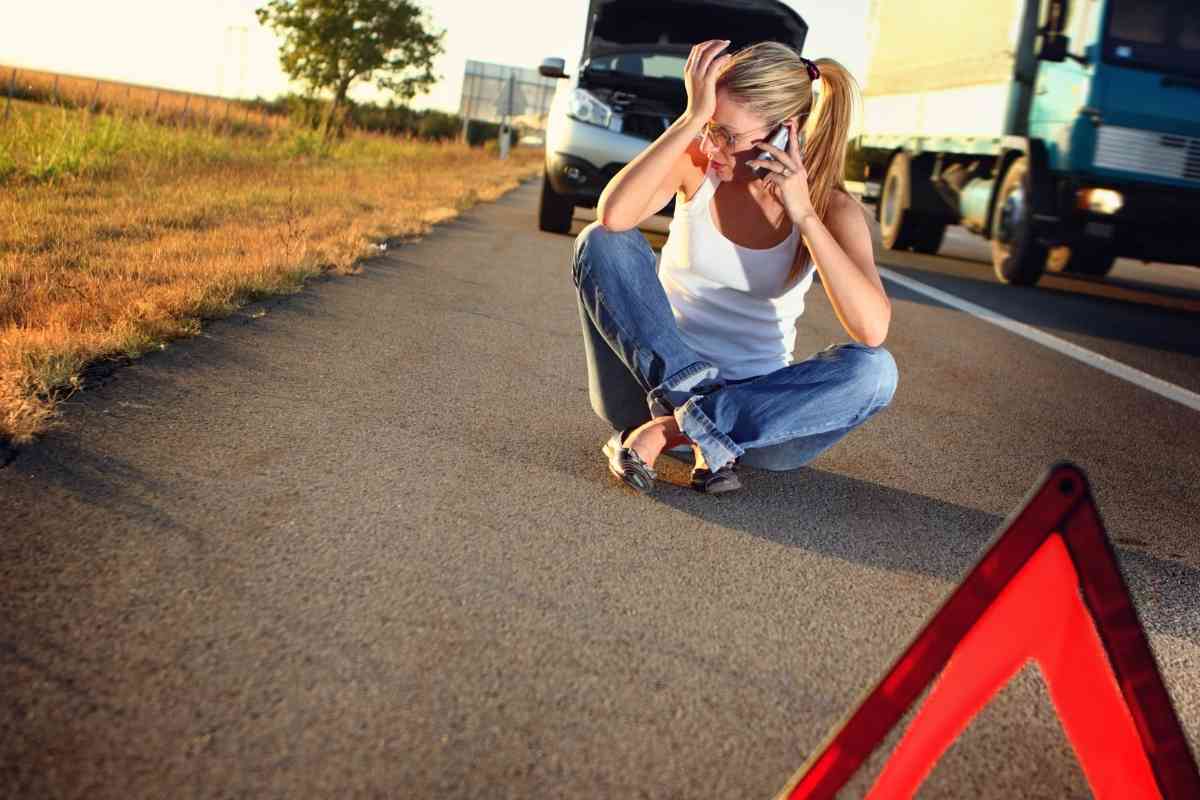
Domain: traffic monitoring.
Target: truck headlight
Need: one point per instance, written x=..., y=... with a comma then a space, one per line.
x=586, y=108
x=1101, y=201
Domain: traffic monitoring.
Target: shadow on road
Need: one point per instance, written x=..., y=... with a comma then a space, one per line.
x=899, y=531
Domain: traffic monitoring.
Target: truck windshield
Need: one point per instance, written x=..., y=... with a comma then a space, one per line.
x=1154, y=34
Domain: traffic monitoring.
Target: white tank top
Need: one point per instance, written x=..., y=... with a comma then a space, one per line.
x=729, y=301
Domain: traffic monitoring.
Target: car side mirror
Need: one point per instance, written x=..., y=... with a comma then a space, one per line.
x=1054, y=48
x=552, y=68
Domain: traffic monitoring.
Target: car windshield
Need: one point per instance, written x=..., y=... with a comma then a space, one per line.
x=647, y=65
x=1161, y=34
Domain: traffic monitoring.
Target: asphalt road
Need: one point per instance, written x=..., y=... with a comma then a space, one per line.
x=365, y=544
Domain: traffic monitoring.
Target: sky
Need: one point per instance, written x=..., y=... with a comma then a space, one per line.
x=218, y=47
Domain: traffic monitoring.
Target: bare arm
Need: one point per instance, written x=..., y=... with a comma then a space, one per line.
x=654, y=173
x=843, y=256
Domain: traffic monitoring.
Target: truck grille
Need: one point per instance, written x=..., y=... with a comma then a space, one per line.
x=1149, y=153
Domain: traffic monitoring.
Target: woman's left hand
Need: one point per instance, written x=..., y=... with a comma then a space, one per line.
x=789, y=189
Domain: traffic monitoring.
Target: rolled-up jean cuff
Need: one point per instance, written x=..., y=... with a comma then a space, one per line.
x=659, y=398
x=717, y=448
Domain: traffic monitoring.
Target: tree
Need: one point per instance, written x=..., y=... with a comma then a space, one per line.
x=330, y=44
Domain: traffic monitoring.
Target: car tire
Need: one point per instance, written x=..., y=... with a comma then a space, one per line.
x=1018, y=257
x=555, y=211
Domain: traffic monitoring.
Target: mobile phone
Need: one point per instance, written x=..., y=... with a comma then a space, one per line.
x=780, y=139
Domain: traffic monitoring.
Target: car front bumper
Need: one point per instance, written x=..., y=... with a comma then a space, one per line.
x=582, y=158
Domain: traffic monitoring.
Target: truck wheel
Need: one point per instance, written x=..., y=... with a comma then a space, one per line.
x=555, y=210
x=897, y=220
x=929, y=235
x=902, y=226
x=1089, y=258
x=1017, y=256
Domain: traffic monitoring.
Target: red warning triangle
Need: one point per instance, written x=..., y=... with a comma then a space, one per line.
x=1049, y=588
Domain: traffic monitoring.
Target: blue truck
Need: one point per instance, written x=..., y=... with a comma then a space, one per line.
x=1067, y=132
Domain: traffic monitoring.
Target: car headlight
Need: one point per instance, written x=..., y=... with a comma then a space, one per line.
x=586, y=108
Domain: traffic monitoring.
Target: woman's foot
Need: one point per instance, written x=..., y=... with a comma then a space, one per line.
x=632, y=452
x=649, y=439
x=723, y=480
x=705, y=480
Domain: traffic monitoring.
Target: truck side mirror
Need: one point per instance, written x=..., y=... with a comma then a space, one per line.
x=1054, y=47
x=552, y=68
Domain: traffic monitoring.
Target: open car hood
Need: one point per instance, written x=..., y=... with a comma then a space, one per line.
x=622, y=26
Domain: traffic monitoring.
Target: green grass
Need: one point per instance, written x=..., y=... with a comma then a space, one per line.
x=45, y=144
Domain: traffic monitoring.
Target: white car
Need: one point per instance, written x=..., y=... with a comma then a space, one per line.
x=629, y=87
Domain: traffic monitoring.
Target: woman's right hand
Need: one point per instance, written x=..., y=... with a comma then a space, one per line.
x=700, y=77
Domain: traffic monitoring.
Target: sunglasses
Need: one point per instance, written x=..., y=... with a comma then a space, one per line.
x=723, y=138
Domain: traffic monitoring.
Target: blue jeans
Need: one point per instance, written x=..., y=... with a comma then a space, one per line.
x=794, y=413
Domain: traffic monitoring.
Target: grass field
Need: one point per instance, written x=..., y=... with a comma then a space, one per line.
x=120, y=233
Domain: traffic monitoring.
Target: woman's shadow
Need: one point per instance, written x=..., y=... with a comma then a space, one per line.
x=867, y=523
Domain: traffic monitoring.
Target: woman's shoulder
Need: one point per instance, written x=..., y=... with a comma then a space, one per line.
x=843, y=217
x=692, y=169
x=842, y=199
x=843, y=204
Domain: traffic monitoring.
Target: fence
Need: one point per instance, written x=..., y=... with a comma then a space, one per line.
x=166, y=105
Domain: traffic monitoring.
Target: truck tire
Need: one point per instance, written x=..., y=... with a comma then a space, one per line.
x=554, y=210
x=1089, y=258
x=929, y=236
x=902, y=225
x=1017, y=256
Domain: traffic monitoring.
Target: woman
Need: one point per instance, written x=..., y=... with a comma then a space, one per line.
x=710, y=335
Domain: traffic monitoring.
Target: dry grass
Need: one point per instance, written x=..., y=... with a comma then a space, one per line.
x=141, y=232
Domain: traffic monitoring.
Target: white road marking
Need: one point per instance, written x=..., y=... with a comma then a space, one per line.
x=1135, y=376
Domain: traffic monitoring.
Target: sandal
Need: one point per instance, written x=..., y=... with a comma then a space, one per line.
x=626, y=464
x=723, y=480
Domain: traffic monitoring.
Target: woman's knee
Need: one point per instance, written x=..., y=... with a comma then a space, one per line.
x=597, y=245
x=874, y=369
x=879, y=365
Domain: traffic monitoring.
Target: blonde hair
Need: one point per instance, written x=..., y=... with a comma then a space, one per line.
x=771, y=81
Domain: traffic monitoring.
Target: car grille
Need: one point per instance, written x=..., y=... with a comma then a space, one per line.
x=645, y=126
x=1149, y=153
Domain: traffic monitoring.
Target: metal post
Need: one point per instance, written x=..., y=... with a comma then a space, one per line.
x=12, y=84
x=95, y=97
x=467, y=108
x=157, y=97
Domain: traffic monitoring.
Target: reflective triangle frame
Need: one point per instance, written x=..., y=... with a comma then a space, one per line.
x=971, y=647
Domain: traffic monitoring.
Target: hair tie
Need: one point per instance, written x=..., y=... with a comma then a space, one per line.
x=813, y=72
